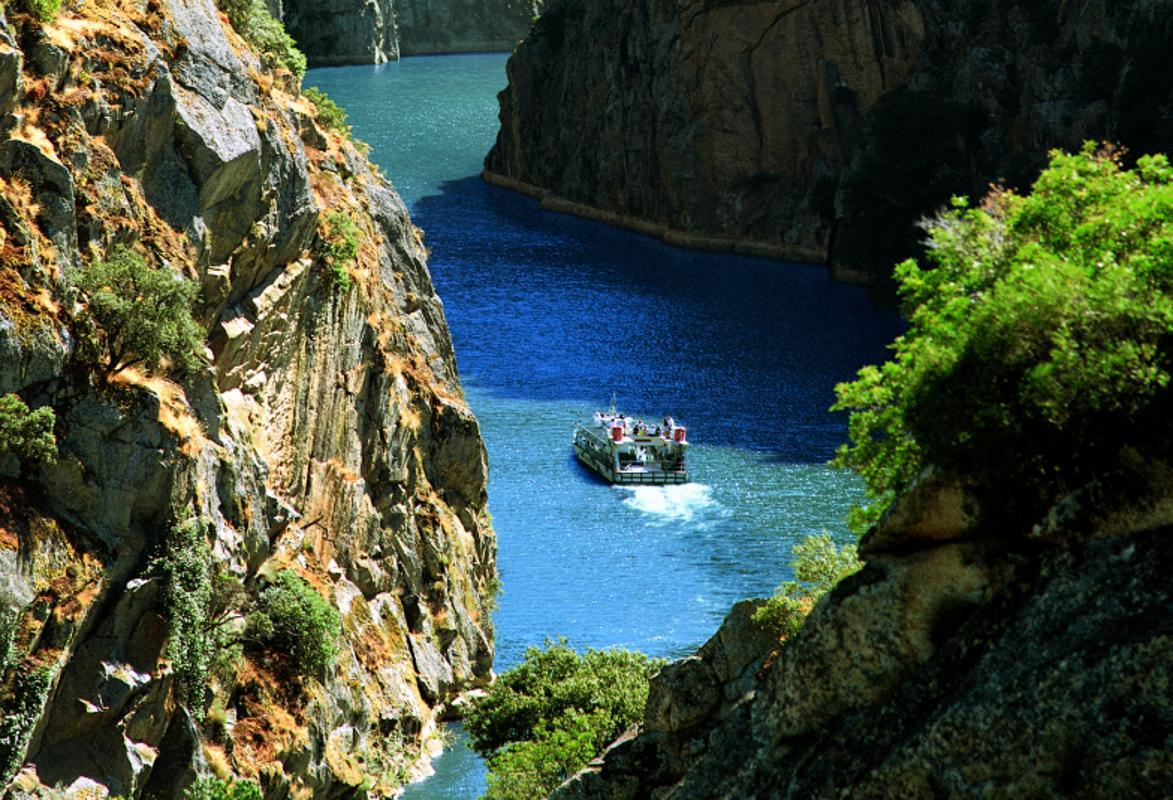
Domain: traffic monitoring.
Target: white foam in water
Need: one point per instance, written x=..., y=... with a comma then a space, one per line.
x=683, y=502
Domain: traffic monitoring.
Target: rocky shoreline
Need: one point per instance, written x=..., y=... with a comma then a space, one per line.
x=671, y=236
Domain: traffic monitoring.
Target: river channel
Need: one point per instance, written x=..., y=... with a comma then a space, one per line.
x=550, y=315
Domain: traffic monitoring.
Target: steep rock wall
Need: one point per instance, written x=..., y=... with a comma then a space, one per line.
x=375, y=31
x=457, y=26
x=325, y=432
x=343, y=32
x=817, y=130
x=965, y=663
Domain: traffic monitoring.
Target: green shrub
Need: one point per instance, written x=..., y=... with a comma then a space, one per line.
x=217, y=789
x=44, y=10
x=545, y=718
x=186, y=568
x=144, y=313
x=330, y=114
x=8, y=620
x=293, y=618
x=339, y=246
x=818, y=565
x=19, y=711
x=28, y=435
x=1038, y=354
x=532, y=769
x=252, y=20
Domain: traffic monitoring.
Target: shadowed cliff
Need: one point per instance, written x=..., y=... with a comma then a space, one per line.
x=370, y=33
x=815, y=130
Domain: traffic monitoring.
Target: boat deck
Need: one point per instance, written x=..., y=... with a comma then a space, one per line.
x=648, y=458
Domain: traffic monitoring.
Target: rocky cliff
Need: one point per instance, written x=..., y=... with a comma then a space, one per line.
x=324, y=431
x=962, y=661
x=381, y=30
x=818, y=130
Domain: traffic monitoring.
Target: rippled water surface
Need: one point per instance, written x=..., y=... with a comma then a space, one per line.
x=550, y=315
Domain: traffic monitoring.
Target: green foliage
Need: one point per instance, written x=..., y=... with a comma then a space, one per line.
x=8, y=620
x=330, y=114
x=44, y=10
x=186, y=568
x=545, y=718
x=818, y=565
x=21, y=710
x=293, y=618
x=217, y=789
x=26, y=434
x=339, y=246
x=144, y=313
x=1038, y=350
x=252, y=20
x=532, y=769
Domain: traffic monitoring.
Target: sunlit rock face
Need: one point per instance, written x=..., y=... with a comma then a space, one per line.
x=325, y=432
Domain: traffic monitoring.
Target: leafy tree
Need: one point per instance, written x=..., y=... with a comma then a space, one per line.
x=144, y=312
x=818, y=566
x=20, y=709
x=186, y=568
x=26, y=434
x=201, y=606
x=330, y=114
x=252, y=20
x=533, y=768
x=1038, y=351
x=545, y=718
x=292, y=617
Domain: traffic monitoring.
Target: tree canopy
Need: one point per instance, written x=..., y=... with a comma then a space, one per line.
x=24, y=433
x=144, y=312
x=544, y=719
x=1038, y=353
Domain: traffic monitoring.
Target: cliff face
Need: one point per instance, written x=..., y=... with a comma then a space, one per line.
x=343, y=32
x=326, y=432
x=458, y=26
x=381, y=30
x=960, y=662
x=819, y=131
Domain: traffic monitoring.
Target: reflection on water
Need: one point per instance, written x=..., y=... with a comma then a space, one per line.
x=551, y=314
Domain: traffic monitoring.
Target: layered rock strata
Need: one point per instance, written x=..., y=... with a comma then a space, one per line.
x=324, y=432
x=960, y=662
x=815, y=130
x=375, y=31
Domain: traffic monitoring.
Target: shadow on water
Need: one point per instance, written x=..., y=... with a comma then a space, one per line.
x=552, y=307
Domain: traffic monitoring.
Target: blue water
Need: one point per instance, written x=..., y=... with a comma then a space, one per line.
x=550, y=314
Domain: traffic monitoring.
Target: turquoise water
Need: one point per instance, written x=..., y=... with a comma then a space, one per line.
x=551, y=314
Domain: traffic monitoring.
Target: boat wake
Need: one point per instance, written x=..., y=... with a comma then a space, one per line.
x=664, y=504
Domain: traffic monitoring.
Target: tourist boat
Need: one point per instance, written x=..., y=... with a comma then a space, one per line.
x=629, y=451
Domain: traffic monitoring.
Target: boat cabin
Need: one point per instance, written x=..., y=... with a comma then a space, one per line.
x=626, y=450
